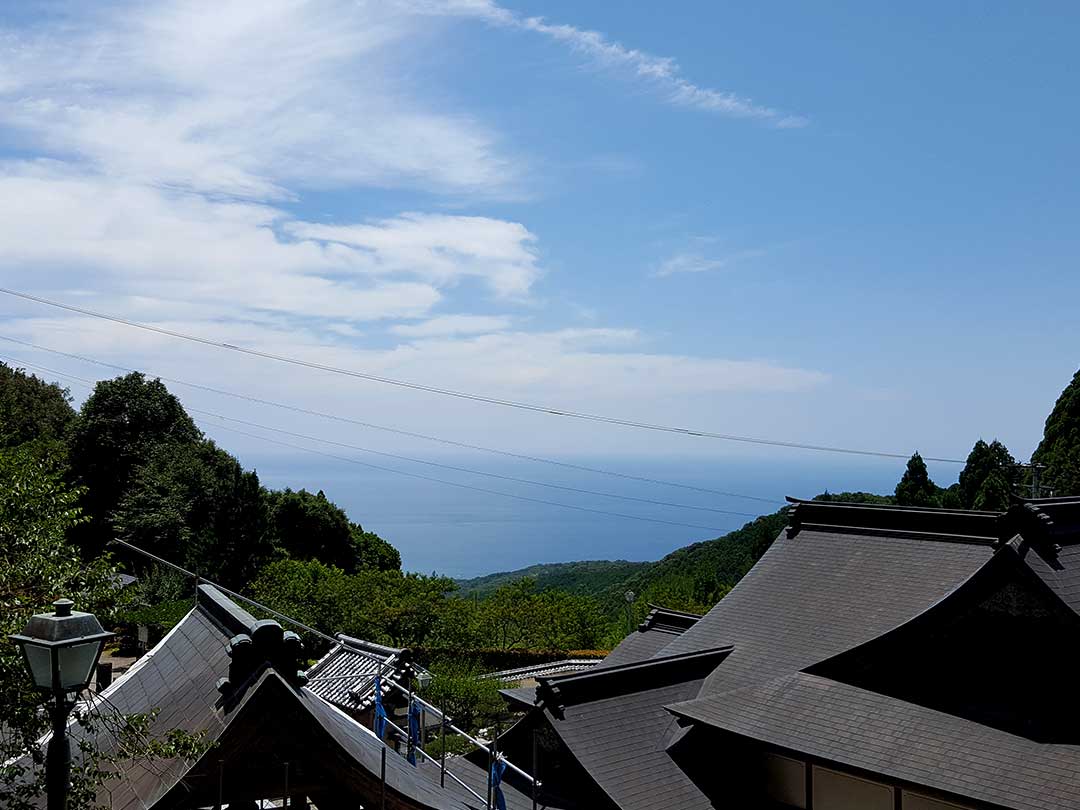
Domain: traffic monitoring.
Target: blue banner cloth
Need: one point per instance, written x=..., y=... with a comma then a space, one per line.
x=380, y=712
x=414, y=730
x=497, y=768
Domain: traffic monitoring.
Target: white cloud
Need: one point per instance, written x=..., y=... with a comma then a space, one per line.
x=441, y=248
x=697, y=262
x=182, y=249
x=661, y=73
x=240, y=98
x=445, y=325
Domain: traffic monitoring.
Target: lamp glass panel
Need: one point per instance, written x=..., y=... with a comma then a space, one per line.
x=77, y=664
x=40, y=664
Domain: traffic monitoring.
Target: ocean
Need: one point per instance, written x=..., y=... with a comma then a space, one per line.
x=463, y=532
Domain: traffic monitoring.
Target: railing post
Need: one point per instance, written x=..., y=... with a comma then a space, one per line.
x=491, y=764
x=535, y=769
x=442, y=752
x=382, y=788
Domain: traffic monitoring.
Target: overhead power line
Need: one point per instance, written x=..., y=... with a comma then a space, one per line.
x=398, y=431
x=465, y=395
x=527, y=498
x=442, y=481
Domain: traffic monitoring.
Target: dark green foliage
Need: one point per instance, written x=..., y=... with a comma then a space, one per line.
x=916, y=488
x=308, y=526
x=471, y=701
x=373, y=552
x=122, y=425
x=585, y=577
x=37, y=510
x=517, y=615
x=950, y=497
x=855, y=497
x=31, y=409
x=387, y=607
x=195, y=505
x=986, y=461
x=994, y=494
x=696, y=577
x=1059, y=449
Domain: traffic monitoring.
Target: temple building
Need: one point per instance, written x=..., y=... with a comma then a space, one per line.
x=875, y=658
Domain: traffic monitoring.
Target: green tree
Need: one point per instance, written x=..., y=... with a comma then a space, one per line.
x=37, y=510
x=915, y=487
x=388, y=607
x=986, y=460
x=121, y=426
x=506, y=619
x=1059, y=449
x=995, y=493
x=194, y=504
x=31, y=409
x=309, y=526
x=458, y=690
x=373, y=552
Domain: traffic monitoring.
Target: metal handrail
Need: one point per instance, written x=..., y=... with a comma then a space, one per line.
x=463, y=733
x=430, y=758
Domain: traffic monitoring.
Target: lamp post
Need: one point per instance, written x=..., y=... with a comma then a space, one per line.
x=629, y=596
x=60, y=650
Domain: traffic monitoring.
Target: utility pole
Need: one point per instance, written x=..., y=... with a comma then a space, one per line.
x=1034, y=487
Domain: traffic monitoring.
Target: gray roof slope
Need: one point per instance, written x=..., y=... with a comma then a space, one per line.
x=911, y=743
x=614, y=722
x=1050, y=533
x=621, y=743
x=660, y=627
x=179, y=676
x=818, y=593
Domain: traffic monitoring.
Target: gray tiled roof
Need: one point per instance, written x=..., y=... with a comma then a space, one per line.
x=345, y=676
x=821, y=589
x=614, y=722
x=541, y=670
x=858, y=728
x=819, y=593
x=653, y=635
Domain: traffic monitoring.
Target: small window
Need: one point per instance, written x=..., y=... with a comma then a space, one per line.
x=785, y=780
x=841, y=791
x=917, y=801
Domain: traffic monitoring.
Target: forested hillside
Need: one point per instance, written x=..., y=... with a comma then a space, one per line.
x=585, y=577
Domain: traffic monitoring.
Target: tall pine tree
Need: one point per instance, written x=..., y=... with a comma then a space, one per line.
x=916, y=488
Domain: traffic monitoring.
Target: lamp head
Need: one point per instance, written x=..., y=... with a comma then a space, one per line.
x=61, y=648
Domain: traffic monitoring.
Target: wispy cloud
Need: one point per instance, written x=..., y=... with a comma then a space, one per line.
x=441, y=248
x=448, y=325
x=661, y=73
x=257, y=100
x=698, y=262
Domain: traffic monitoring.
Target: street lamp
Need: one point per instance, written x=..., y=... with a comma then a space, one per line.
x=60, y=650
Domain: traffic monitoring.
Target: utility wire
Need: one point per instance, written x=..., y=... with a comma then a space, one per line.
x=413, y=460
x=432, y=478
x=398, y=431
x=465, y=395
x=474, y=488
x=473, y=471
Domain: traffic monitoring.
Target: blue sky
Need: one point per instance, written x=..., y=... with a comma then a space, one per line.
x=848, y=224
